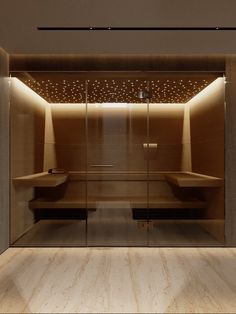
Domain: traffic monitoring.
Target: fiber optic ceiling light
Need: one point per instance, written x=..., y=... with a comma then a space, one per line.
x=71, y=87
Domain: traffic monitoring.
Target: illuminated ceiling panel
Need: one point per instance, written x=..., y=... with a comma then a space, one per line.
x=71, y=87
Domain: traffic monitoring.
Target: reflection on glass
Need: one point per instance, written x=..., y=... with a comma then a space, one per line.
x=138, y=171
x=117, y=167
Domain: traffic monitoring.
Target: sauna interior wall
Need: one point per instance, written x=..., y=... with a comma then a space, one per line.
x=178, y=129
x=116, y=136
x=207, y=116
x=54, y=135
x=190, y=137
x=27, y=127
x=166, y=129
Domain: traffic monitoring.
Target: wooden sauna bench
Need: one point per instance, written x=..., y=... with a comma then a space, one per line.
x=42, y=179
x=180, y=179
x=190, y=179
x=115, y=175
x=135, y=202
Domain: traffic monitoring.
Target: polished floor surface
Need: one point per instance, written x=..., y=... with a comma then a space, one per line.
x=116, y=229
x=118, y=280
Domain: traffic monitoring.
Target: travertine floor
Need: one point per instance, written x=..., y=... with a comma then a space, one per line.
x=118, y=280
x=115, y=229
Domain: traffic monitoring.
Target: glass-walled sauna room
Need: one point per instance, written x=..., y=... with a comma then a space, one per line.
x=117, y=158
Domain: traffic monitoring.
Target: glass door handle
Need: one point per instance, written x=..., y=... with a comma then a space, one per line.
x=102, y=165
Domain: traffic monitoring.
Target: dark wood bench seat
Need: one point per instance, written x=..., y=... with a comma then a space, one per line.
x=190, y=179
x=135, y=202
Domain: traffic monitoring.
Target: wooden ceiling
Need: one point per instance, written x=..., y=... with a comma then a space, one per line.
x=109, y=87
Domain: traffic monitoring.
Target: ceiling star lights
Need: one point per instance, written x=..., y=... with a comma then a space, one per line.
x=58, y=92
x=69, y=89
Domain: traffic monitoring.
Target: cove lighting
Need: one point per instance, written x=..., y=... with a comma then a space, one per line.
x=114, y=105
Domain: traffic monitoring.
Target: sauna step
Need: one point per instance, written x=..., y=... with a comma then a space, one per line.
x=173, y=202
x=168, y=213
x=42, y=179
x=116, y=175
x=190, y=179
x=135, y=202
x=57, y=203
x=60, y=213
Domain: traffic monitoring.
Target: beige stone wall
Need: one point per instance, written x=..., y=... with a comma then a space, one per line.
x=4, y=152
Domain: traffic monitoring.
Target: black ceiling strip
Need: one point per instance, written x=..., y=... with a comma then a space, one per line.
x=91, y=28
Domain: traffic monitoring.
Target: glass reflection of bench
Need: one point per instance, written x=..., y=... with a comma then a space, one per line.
x=70, y=201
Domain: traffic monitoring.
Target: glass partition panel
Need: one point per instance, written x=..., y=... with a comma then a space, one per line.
x=137, y=159
x=117, y=161
x=48, y=131
x=186, y=160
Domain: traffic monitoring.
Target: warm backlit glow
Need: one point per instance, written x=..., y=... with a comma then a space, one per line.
x=123, y=105
x=211, y=88
x=133, y=106
x=71, y=88
x=113, y=105
x=25, y=89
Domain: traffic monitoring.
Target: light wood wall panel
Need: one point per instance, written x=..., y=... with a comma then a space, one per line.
x=69, y=135
x=186, y=160
x=4, y=151
x=27, y=150
x=207, y=115
x=50, y=158
x=116, y=136
x=166, y=123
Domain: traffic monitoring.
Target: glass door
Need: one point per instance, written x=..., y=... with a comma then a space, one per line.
x=142, y=152
x=117, y=178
